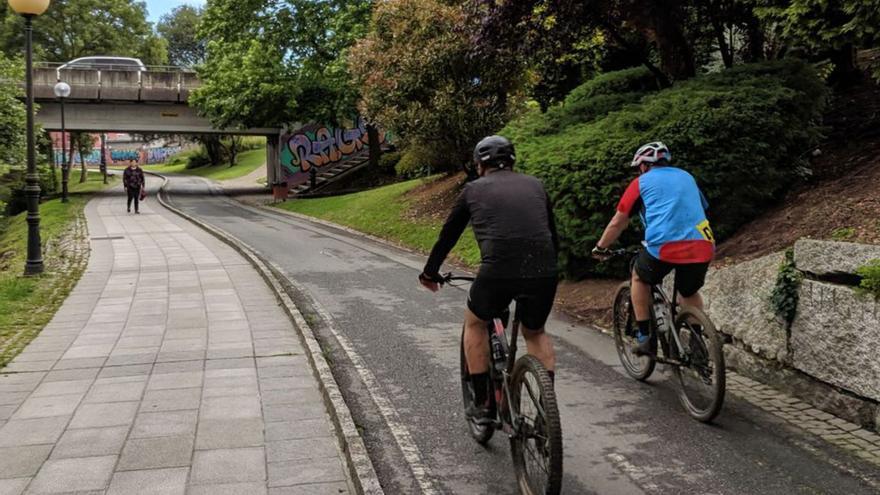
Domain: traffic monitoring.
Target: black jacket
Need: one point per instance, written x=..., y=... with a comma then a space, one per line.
x=513, y=222
x=133, y=179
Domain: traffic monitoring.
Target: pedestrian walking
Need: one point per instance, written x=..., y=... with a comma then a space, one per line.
x=135, y=184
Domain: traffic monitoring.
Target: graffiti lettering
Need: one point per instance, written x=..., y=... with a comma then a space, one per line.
x=145, y=156
x=315, y=146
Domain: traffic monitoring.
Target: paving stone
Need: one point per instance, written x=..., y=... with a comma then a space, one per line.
x=256, y=488
x=312, y=489
x=62, y=388
x=288, y=473
x=186, y=379
x=178, y=367
x=101, y=415
x=149, y=482
x=72, y=475
x=293, y=412
x=165, y=424
x=228, y=466
x=229, y=433
x=171, y=400
x=44, y=407
x=301, y=449
x=215, y=364
x=289, y=430
x=32, y=431
x=66, y=375
x=13, y=486
x=18, y=462
x=90, y=442
x=122, y=391
x=161, y=452
x=296, y=396
x=230, y=407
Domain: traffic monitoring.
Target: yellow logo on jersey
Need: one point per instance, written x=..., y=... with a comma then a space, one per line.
x=706, y=231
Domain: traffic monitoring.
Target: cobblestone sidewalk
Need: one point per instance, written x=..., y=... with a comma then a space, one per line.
x=169, y=370
x=848, y=436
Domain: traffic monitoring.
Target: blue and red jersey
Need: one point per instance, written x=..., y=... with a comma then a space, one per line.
x=673, y=211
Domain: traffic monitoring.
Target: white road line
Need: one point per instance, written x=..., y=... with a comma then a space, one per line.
x=401, y=435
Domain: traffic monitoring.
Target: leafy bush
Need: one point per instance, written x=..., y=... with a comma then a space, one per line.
x=416, y=162
x=198, y=158
x=388, y=161
x=599, y=96
x=870, y=274
x=741, y=132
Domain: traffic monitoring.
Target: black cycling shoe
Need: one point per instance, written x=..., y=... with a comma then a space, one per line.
x=479, y=415
x=646, y=347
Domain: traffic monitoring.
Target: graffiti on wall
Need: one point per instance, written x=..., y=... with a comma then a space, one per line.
x=318, y=146
x=147, y=156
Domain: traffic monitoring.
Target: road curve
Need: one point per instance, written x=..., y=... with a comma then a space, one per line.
x=394, y=350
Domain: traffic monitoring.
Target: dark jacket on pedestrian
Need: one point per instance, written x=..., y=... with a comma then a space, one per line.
x=133, y=178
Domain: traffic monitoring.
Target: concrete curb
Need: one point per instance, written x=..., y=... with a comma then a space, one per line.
x=360, y=467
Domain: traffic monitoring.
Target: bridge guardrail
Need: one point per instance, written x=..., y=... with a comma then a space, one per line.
x=157, y=83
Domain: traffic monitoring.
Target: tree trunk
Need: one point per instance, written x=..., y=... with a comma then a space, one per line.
x=846, y=69
x=661, y=23
x=753, y=51
x=84, y=173
x=375, y=147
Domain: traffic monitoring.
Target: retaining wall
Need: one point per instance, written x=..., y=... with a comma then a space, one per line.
x=828, y=354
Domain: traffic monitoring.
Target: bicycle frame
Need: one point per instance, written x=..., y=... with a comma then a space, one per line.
x=509, y=423
x=672, y=307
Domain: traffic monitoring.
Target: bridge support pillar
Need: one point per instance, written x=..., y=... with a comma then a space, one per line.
x=273, y=160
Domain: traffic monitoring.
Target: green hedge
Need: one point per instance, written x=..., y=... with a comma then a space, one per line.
x=744, y=133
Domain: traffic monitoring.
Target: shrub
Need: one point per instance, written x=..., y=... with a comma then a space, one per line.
x=416, y=162
x=870, y=274
x=741, y=133
x=198, y=158
x=388, y=161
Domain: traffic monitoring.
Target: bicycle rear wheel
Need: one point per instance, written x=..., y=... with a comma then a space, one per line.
x=702, y=380
x=537, y=445
x=481, y=433
x=638, y=367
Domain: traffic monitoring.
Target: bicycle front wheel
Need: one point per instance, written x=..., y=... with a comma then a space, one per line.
x=638, y=367
x=537, y=444
x=702, y=376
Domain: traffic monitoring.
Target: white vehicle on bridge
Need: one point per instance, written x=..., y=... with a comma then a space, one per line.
x=105, y=63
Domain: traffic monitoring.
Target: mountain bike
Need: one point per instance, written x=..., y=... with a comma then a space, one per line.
x=687, y=341
x=523, y=405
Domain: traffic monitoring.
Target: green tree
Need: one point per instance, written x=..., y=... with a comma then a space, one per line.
x=833, y=28
x=275, y=62
x=79, y=28
x=180, y=30
x=421, y=76
x=12, y=112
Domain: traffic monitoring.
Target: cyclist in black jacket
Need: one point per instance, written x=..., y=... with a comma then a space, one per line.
x=513, y=223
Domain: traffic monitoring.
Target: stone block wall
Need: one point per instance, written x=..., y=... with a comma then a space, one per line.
x=829, y=355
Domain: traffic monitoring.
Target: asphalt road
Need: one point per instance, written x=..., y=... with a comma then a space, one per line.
x=394, y=350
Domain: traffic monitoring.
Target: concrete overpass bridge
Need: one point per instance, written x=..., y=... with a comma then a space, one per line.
x=154, y=101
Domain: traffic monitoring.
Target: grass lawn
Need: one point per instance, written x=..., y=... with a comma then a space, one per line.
x=245, y=163
x=27, y=304
x=381, y=212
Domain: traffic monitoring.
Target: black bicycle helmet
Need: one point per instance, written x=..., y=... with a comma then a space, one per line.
x=495, y=151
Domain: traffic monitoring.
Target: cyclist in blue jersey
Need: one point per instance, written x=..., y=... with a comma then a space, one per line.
x=677, y=235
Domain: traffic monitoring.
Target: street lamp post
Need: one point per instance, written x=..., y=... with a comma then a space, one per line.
x=62, y=91
x=34, y=264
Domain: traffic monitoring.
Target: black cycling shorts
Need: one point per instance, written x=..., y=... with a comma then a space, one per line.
x=490, y=297
x=689, y=277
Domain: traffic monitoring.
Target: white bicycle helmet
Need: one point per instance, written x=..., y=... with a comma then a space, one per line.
x=651, y=153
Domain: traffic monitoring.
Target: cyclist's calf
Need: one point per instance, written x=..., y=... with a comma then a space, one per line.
x=538, y=344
